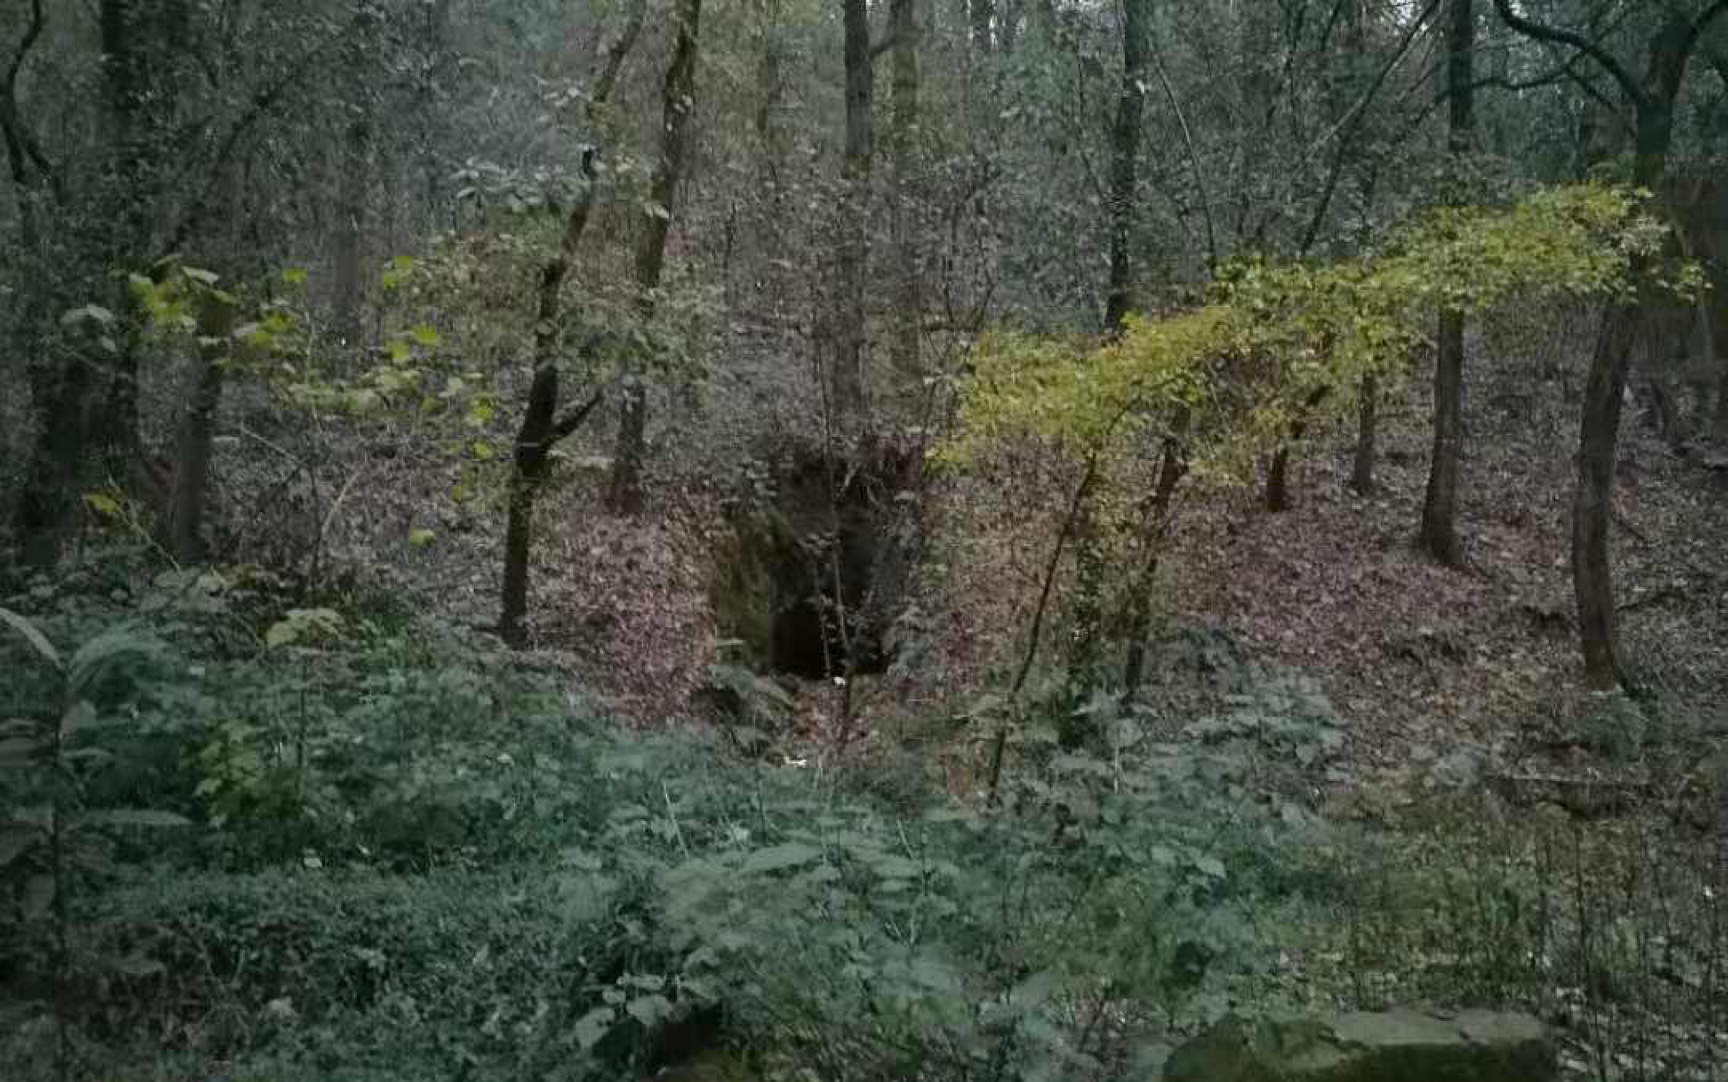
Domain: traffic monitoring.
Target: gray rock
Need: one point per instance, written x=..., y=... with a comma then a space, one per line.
x=1365, y=1046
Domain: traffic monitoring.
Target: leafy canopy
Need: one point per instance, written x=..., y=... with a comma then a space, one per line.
x=1281, y=343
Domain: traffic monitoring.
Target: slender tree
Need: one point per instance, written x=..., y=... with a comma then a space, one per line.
x=846, y=375
x=678, y=102
x=908, y=293
x=1124, y=183
x=1439, y=536
x=1650, y=97
x=983, y=14
x=542, y=426
x=1125, y=158
x=182, y=528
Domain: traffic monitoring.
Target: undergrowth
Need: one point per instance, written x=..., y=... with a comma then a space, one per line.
x=274, y=840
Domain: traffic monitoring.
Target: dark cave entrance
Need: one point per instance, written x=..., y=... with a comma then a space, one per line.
x=803, y=555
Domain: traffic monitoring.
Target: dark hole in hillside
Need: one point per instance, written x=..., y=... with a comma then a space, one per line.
x=804, y=557
x=807, y=642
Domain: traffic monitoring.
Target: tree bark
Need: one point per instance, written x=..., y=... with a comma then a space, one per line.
x=1125, y=156
x=1277, y=497
x=1713, y=319
x=1592, y=505
x=1719, y=425
x=1439, y=534
x=1653, y=97
x=48, y=502
x=1008, y=28
x=1277, y=494
x=846, y=376
x=1138, y=617
x=182, y=531
x=678, y=101
x=909, y=294
x=983, y=12
x=350, y=234
x=541, y=426
x=1367, y=436
x=69, y=427
x=132, y=32
x=1124, y=175
x=1087, y=620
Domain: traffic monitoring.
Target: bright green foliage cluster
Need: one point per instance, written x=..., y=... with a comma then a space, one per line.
x=412, y=385
x=1278, y=345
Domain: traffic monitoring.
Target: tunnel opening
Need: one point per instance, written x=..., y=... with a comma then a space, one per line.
x=810, y=572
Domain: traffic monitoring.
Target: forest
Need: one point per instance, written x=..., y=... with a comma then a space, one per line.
x=864, y=540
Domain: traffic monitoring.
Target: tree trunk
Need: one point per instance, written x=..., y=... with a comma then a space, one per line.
x=1439, y=536
x=1367, y=435
x=1592, y=507
x=346, y=275
x=1277, y=497
x=1714, y=328
x=677, y=103
x=1719, y=426
x=1124, y=168
x=182, y=531
x=1087, y=622
x=132, y=31
x=48, y=502
x=1605, y=387
x=1138, y=617
x=541, y=427
x=1008, y=28
x=1124, y=163
x=909, y=299
x=1041, y=22
x=983, y=13
x=1653, y=95
x=846, y=375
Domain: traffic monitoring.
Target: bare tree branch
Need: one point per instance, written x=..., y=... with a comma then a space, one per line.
x=1555, y=35
x=1351, y=123
x=262, y=103
x=571, y=421
x=1193, y=161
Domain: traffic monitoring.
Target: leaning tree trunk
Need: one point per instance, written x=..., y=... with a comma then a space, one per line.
x=1592, y=506
x=1605, y=387
x=1439, y=536
x=1652, y=95
x=542, y=428
x=678, y=101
